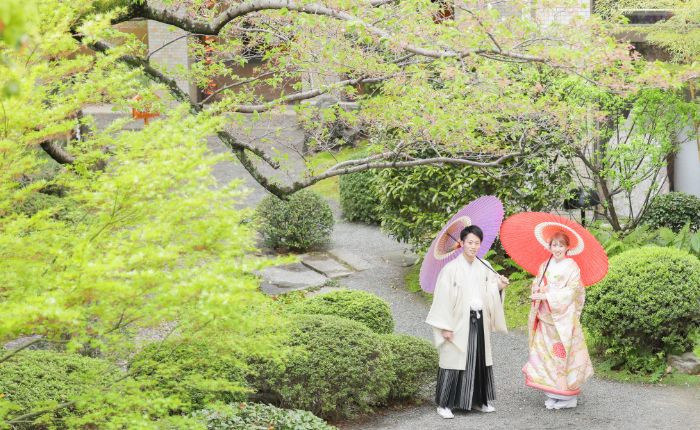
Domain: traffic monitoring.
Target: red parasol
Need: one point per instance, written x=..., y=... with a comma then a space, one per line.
x=526, y=236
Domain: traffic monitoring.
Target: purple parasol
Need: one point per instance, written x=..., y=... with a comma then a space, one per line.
x=485, y=212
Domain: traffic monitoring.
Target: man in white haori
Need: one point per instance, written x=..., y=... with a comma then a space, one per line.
x=467, y=306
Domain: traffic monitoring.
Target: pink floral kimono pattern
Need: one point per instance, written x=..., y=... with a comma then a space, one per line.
x=558, y=360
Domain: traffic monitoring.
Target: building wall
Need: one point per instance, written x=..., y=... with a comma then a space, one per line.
x=172, y=57
x=546, y=15
x=686, y=172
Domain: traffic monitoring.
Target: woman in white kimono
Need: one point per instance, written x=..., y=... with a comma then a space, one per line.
x=558, y=361
x=467, y=306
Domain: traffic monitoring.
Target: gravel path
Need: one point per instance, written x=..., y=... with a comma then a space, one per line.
x=602, y=405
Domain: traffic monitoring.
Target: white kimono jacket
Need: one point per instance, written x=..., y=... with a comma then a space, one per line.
x=459, y=285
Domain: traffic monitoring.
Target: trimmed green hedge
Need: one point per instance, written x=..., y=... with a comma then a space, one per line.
x=248, y=416
x=358, y=198
x=194, y=372
x=360, y=306
x=303, y=222
x=337, y=368
x=33, y=380
x=645, y=308
x=415, y=362
x=673, y=210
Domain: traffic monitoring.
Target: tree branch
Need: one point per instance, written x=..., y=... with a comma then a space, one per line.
x=372, y=163
x=214, y=26
x=305, y=95
x=56, y=152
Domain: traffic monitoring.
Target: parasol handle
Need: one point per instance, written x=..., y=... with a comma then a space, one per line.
x=487, y=266
x=544, y=271
x=482, y=261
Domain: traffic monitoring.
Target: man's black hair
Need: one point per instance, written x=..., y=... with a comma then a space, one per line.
x=473, y=229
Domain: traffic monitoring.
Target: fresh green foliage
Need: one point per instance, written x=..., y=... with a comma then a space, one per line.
x=142, y=234
x=414, y=361
x=256, y=416
x=338, y=368
x=673, y=210
x=645, y=308
x=615, y=243
x=303, y=222
x=356, y=305
x=358, y=198
x=195, y=372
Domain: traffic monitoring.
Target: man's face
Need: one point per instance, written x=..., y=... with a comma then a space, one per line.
x=471, y=245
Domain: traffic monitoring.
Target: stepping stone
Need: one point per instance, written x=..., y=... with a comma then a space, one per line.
x=355, y=261
x=326, y=265
x=401, y=259
x=274, y=290
x=290, y=277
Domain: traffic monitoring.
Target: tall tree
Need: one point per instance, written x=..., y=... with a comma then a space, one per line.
x=421, y=73
x=133, y=235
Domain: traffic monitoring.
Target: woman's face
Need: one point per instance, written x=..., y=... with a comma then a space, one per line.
x=471, y=245
x=558, y=249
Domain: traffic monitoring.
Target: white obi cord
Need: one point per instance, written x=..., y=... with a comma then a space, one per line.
x=476, y=305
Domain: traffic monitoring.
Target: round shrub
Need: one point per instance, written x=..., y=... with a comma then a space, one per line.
x=645, y=308
x=300, y=223
x=415, y=362
x=673, y=210
x=194, y=372
x=360, y=306
x=62, y=208
x=31, y=379
x=358, y=199
x=336, y=368
x=246, y=416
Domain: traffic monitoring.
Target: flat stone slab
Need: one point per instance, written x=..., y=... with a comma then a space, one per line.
x=353, y=260
x=401, y=259
x=274, y=290
x=324, y=264
x=292, y=277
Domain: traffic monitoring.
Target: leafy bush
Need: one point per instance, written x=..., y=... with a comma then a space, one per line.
x=61, y=208
x=358, y=198
x=415, y=203
x=360, y=306
x=673, y=210
x=194, y=372
x=254, y=416
x=35, y=379
x=336, y=369
x=614, y=243
x=645, y=308
x=415, y=362
x=300, y=223
x=517, y=303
